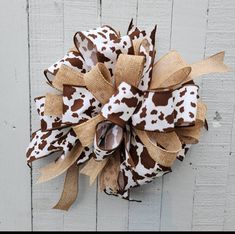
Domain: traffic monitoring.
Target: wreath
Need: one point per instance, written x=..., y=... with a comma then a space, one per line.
x=118, y=115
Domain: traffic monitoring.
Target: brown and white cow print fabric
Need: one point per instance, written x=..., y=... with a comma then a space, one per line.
x=47, y=122
x=72, y=59
x=104, y=51
x=86, y=154
x=79, y=105
x=66, y=143
x=42, y=143
x=137, y=167
x=122, y=104
x=86, y=43
x=185, y=148
x=96, y=36
x=185, y=105
x=108, y=52
x=146, y=49
x=162, y=111
x=152, y=111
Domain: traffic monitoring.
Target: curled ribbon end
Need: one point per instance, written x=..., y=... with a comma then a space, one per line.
x=57, y=207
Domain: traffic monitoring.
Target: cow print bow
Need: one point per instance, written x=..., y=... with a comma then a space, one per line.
x=117, y=115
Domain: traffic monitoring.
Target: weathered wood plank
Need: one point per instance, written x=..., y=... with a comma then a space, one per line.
x=15, y=202
x=49, y=41
x=159, y=12
x=188, y=38
x=46, y=45
x=118, y=14
x=79, y=15
x=146, y=215
x=218, y=91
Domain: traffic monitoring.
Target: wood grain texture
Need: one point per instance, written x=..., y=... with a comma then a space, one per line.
x=46, y=46
x=214, y=178
x=151, y=13
x=200, y=192
x=49, y=42
x=118, y=14
x=187, y=37
x=15, y=202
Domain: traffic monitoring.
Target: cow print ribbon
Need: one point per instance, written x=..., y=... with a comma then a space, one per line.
x=123, y=117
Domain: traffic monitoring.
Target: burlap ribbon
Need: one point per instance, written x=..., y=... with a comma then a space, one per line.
x=122, y=116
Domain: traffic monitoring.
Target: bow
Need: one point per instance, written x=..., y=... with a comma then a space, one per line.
x=119, y=114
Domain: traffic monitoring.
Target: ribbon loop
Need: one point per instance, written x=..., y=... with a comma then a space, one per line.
x=129, y=69
x=169, y=71
x=99, y=82
x=162, y=147
x=162, y=111
x=86, y=131
x=67, y=76
x=105, y=49
x=41, y=143
x=72, y=59
x=108, y=138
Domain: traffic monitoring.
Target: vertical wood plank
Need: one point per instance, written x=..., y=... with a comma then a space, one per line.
x=118, y=14
x=81, y=15
x=218, y=92
x=53, y=24
x=188, y=37
x=46, y=45
x=158, y=12
x=189, y=24
x=146, y=215
x=112, y=213
x=15, y=202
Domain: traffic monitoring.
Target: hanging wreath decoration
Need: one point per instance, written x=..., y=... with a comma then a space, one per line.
x=119, y=115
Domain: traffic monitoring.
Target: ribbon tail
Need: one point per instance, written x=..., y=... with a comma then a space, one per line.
x=70, y=190
x=109, y=176
x=58, y=167
x=93, y=168
x=212, y=64
x=131, y=25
